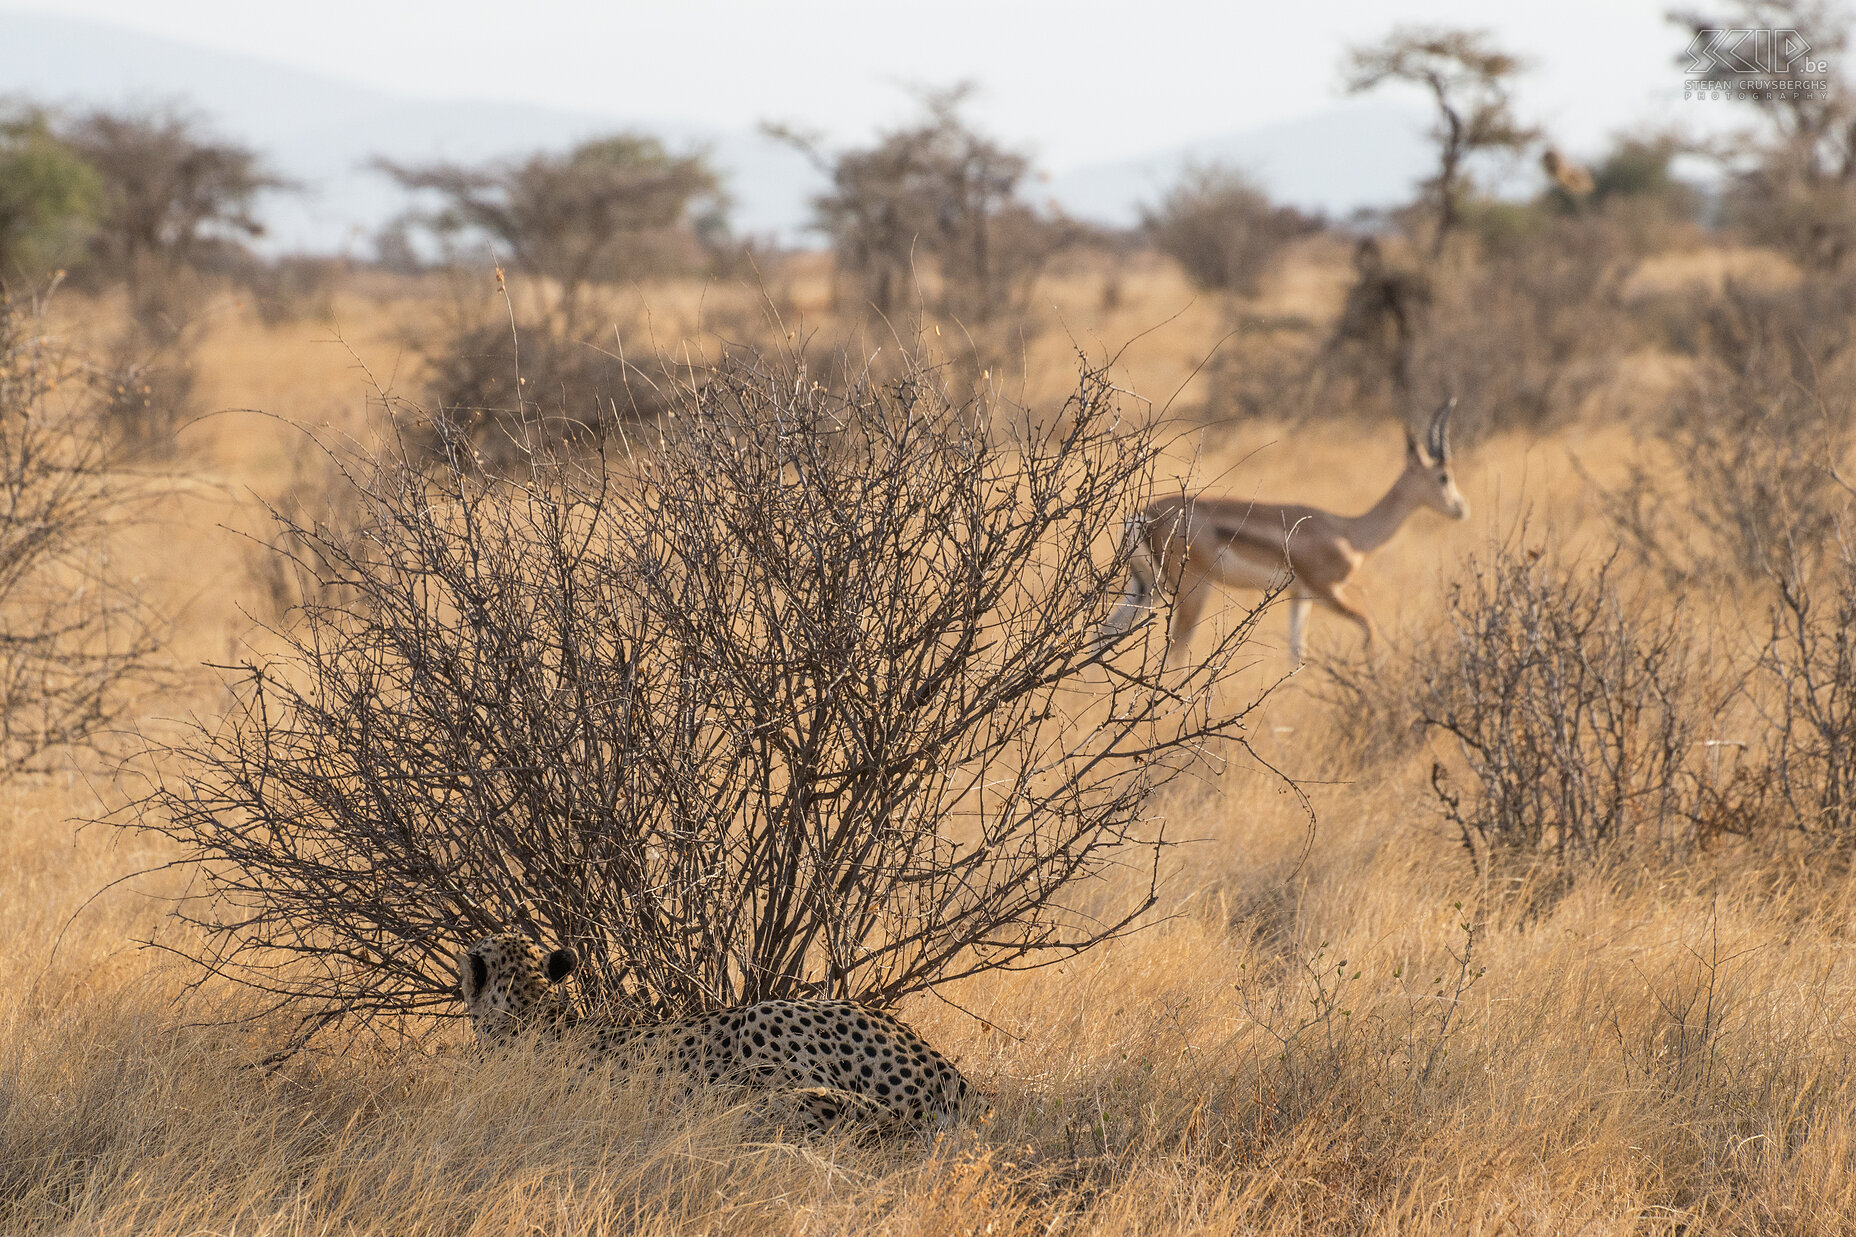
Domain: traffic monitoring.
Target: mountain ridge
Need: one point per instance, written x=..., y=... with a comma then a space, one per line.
x=321, y=131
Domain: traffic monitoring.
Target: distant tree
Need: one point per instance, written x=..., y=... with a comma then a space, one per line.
x=49, y=197
x=175, y=200
x=937, y=190
x=171, y=192
x=1793, y=181
x=613, y=208
x=75, y=643
x=1468, y=79
x=1640, y=168
x=1222, y=229
x=1811, y=127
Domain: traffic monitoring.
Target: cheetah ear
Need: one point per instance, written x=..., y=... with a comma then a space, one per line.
x=561, y=964
x=473, y=975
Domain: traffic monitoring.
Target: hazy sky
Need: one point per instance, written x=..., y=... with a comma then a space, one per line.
x=1077, y=82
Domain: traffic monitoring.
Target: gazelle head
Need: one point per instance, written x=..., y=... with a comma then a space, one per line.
x=1427, y=466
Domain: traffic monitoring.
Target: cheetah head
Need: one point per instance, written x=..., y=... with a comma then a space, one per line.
x=508, y=983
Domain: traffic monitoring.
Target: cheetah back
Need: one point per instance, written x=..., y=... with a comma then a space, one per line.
x=806, y=1045
x=837, y=1058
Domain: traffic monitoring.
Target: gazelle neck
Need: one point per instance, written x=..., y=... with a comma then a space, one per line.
x=1372, y=529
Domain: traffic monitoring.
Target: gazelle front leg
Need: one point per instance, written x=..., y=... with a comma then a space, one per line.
x=1188, y=601
x=1298, y=625
x=1337, y=600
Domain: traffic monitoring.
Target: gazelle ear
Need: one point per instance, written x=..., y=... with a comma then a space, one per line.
x=1411, y=447
x=561, y=964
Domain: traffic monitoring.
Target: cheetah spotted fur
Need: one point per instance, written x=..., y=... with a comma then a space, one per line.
x=829, y=1061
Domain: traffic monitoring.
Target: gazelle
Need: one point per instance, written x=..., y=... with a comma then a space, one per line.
x=1189, y=543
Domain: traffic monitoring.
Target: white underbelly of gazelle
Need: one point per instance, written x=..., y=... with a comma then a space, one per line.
x=1236, y=567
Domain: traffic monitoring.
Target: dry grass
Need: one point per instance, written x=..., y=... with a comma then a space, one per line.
x=1299, y=1047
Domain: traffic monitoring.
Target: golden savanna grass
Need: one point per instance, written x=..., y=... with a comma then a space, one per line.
x=1300, y=1043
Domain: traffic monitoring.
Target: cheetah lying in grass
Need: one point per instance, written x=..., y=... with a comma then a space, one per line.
x=832, y=1061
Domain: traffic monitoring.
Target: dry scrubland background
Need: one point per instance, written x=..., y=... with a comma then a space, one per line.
x=1629, y=1020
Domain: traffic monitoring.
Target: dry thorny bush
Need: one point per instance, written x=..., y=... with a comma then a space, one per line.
x=1805, y=682
x=524, y=366
x=1572, y=710
x=1750, y=441
x=1584, y=720
x=494, y=386
x=803, y=696
x=1582, y=716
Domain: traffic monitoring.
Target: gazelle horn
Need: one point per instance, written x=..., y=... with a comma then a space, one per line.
x=1440, y=431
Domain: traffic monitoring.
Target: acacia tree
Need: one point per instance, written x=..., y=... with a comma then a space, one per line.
x=1468, y=79
x=614, y=207
x=808, y=700
x=938, y=190
x=611, y=209
x=171, y=193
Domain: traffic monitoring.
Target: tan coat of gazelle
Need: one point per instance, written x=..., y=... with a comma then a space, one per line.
x=1185, y=545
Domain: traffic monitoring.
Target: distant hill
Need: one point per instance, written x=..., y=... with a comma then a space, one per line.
x=1336, y=161
x=319, y=131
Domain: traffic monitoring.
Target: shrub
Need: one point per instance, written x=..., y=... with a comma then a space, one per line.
x=807, y=699
x=1638, y=169
x=144, y=391
x=1369, y=351
x=1573, y=712
x=1223, y=230
x=493, y=387
x=1769, y=408
x=291, y=289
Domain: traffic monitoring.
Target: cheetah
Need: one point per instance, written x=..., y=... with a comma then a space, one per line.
x=832, y=1063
